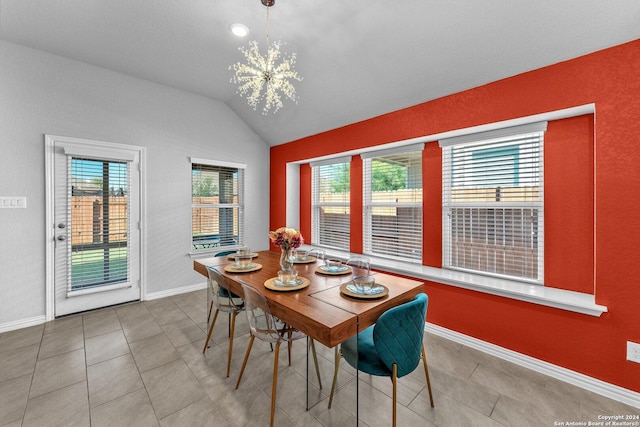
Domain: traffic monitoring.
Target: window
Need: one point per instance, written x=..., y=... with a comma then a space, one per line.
x=392, y=191
x=217, y=204
x=493, y=210
x=330, y=210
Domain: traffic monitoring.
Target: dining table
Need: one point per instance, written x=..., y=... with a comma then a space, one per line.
x=322, y=307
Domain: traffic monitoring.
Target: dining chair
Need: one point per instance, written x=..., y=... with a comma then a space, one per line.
x=392, y=347
x=225, y=301
x=266, y=327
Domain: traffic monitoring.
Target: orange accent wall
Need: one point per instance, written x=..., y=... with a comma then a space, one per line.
x=592, y=184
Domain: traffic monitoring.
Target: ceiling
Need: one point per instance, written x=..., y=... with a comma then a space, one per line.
x=358, y=58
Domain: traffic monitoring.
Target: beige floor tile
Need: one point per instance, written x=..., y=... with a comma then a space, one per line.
x=172, y=387
x=57, y=372
x=152, y=352
x=106, y=346
x=141, y=328
x=201, y=413
x=131, y=311
x=63, y=323
x=64, y=407
x=100, y=322
x=18, y=362
x=13, y=398
x=21, y=338
x=476, y=396
x=133, y=409
x=112, y=379
x=60, y=342
x=183, y=332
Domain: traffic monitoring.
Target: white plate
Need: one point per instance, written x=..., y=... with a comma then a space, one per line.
x=248, y=267
x=334, y=270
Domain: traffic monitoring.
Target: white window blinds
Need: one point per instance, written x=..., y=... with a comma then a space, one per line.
x=331, y=212
x=493, y=210
x=99, y=218
x=217, y=216
x=392, y=189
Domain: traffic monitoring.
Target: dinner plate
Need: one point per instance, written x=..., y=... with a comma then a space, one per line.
x=231, y=268
x=275, y=285
x=305, y=260
x=349, y=289
x=343, y=269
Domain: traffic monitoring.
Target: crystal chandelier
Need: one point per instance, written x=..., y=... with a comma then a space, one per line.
x=265, y=78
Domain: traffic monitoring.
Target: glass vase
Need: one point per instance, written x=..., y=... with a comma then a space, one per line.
x=286, y=263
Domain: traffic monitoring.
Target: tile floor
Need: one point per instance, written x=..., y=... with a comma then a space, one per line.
x=141, y=364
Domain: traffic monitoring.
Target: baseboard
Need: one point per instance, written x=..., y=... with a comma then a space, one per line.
x=23, y=323
x=602, y=388
x=175, y=291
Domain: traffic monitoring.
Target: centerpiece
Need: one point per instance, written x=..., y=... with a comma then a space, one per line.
x=286, y=239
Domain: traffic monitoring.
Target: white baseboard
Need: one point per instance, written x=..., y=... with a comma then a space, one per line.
x=611, y=391
x=23, y=323
x=175, y=291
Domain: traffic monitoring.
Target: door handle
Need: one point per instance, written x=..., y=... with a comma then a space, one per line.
x=62, y=238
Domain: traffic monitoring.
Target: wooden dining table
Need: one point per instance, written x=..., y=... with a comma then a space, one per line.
x=320, y=310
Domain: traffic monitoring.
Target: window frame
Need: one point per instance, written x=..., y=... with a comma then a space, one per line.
x=508, y=136
x=317, y=205
x=369, y=204
x=210, y=246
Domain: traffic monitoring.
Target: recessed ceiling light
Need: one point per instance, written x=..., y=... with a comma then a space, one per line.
x=239, y=30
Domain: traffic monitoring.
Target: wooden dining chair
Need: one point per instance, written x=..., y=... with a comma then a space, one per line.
x=224, y=301
x=392, y=347
x=268, y=328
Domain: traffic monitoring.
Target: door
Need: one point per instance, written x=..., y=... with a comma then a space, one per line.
x=96, y=223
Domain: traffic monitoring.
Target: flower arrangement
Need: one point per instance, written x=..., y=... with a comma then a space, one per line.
x=286, y=238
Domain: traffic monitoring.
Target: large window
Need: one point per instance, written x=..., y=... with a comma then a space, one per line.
x=493, y=210
x=392, y=189
x=217, y=204
x=330, y=213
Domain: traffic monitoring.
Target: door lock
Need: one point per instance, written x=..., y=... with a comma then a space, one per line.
x=62, y=238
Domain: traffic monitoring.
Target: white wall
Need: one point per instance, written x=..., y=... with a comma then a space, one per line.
x=42, y=94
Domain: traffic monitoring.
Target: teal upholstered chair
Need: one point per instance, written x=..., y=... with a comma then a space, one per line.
x=391, y=348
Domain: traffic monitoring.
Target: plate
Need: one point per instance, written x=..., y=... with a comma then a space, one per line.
x=344, y=269
x=305, y=260
x=231, y=268
x=232, y=257
x=350, y=290
x=274, y=285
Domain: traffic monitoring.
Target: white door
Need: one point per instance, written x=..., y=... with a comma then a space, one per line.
x=96, y=223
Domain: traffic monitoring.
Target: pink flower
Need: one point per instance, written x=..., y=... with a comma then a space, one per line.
x=286, y=238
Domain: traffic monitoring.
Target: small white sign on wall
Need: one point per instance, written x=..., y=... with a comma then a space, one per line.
x=13, y=202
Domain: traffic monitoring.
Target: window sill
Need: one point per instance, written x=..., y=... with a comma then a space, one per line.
x=558, y=298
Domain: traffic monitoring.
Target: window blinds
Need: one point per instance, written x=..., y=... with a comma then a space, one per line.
x=392, y=188
x=217, y=206
x=331, y=213
x=493, y=211
x=99, y=213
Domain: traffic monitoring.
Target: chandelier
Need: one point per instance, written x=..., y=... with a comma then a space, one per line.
x=266, y=78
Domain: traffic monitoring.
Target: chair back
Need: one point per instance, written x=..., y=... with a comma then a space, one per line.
x=398, y=333
x=222, y=298
x=263, y=324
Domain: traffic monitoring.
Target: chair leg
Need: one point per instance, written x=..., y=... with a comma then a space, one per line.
x=315, y=361
x=210, y=310
x=394, y=380
x=246, y=357
x=274, y=384
x=338, y=356
x=231, y=334
x=213, y=322
x=289, y=344
x=426, y=372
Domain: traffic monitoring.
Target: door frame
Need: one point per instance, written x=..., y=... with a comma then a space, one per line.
x=49, y=142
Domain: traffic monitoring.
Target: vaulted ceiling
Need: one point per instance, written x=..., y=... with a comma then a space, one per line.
x=358, y=58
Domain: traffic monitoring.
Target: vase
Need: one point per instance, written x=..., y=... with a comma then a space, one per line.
x=286, y=263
